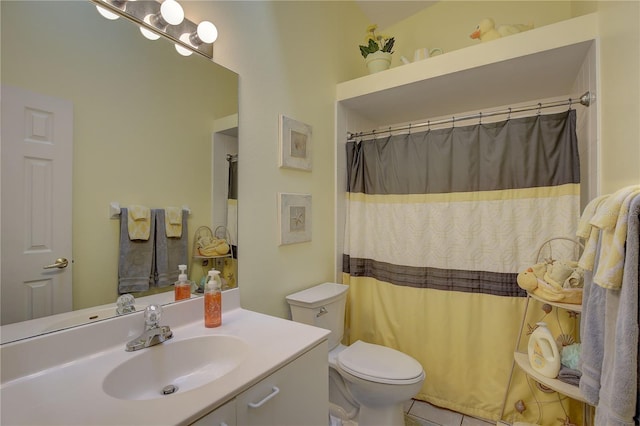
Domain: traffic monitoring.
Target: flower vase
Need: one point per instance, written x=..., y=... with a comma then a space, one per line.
x=378, y=61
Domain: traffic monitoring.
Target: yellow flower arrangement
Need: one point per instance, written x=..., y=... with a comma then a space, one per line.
x=375, y=42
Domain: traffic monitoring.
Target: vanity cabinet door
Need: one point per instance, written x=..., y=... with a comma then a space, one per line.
x=295, y=395
x=221, y=416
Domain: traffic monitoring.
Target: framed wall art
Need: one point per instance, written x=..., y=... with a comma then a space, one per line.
x=295, y=144
x=294, y=217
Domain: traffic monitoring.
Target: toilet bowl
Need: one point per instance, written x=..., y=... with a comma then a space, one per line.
x=368, y=383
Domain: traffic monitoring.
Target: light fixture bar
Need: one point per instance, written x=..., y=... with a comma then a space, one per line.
x=136, y=11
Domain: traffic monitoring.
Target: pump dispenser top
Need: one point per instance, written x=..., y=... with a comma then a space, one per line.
x=214, y=283
x=182, y=287
x=182, y=277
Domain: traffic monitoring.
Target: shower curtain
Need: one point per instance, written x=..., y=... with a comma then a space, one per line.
x=438, y=224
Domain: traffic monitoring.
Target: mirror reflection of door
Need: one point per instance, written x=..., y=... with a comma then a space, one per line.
x=224, y=201
x=37, y=153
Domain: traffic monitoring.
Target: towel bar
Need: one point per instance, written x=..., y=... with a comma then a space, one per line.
x=114, y=210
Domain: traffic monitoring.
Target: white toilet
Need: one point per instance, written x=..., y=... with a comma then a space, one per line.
x=368, y=383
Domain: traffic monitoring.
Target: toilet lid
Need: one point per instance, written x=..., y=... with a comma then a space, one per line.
x=379, y=364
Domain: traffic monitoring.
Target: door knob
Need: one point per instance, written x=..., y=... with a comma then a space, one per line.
x=61, y=263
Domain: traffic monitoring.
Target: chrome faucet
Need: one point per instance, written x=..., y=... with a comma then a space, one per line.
x=154, y=333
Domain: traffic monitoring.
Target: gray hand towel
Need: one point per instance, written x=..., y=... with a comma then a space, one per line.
x=135, y=261
x=170, y=252
x=592, y=334
x=569, y=375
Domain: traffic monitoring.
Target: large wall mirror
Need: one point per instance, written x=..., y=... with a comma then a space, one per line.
x=143, y=121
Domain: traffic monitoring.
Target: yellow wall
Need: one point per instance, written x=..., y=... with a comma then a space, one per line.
x=619, y=97
x=448, y=24
x=142, y=133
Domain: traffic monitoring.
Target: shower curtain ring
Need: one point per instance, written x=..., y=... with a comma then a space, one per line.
x=509, y=115
x=480, y=117
x=453, y=121
x=539, y=108
x=570, y=103
x=429, y=125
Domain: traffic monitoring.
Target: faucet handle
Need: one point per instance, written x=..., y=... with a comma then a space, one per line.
x=125, y=304
x=152, y=314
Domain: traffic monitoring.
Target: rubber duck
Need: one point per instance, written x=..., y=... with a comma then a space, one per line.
x=487, y=30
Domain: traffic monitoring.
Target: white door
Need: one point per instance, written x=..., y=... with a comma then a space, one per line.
x=36, y=151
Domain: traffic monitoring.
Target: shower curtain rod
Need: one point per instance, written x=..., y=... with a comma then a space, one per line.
x=585, y=100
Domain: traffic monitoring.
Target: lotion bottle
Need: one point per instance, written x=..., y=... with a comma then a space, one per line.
x=213, y=300
x=182, y=287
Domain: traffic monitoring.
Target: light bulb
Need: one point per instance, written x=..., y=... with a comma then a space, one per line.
x=107, y=13
x=148, y=33
x=181, y=49
x=207, y=32
x=172, y=12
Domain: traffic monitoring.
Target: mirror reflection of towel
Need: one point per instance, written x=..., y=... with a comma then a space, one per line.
x=135, y=260
x=173, y=221
x=138, y=222
x=170, y=251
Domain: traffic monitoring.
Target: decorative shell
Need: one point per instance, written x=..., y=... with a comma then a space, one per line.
x=565, y=340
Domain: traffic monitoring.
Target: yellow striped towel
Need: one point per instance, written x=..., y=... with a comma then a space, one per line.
x=589, y=232
x=612, y=253
x=173, y=222
x=584, y=225
x=139, y=222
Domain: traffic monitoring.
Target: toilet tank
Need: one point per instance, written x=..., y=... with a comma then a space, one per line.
x=322, y=306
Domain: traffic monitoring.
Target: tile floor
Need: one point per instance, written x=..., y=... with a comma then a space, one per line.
x=420, y=413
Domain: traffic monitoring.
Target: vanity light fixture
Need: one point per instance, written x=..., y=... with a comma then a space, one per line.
x=205, y=33
x=164, y=18
x=183, y=50
x=106, y=14
x=171, y=13
x=120, y=4
x=147, y=33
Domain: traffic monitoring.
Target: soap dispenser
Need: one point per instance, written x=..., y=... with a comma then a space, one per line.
x=213, y=300
x=182, y=287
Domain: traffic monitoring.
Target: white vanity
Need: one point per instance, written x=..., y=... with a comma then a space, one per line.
x=253, y=370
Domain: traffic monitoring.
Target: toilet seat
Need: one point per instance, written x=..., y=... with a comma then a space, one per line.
x=379, y=364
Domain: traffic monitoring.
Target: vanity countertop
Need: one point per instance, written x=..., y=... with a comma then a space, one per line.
x=68, y=390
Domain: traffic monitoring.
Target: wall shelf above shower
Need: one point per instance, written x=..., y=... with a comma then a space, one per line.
x=540, y=63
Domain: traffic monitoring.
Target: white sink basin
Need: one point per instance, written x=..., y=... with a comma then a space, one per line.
x=175, y=366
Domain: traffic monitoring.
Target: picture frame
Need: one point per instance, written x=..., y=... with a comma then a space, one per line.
x=295, y=144
x=294, y=217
